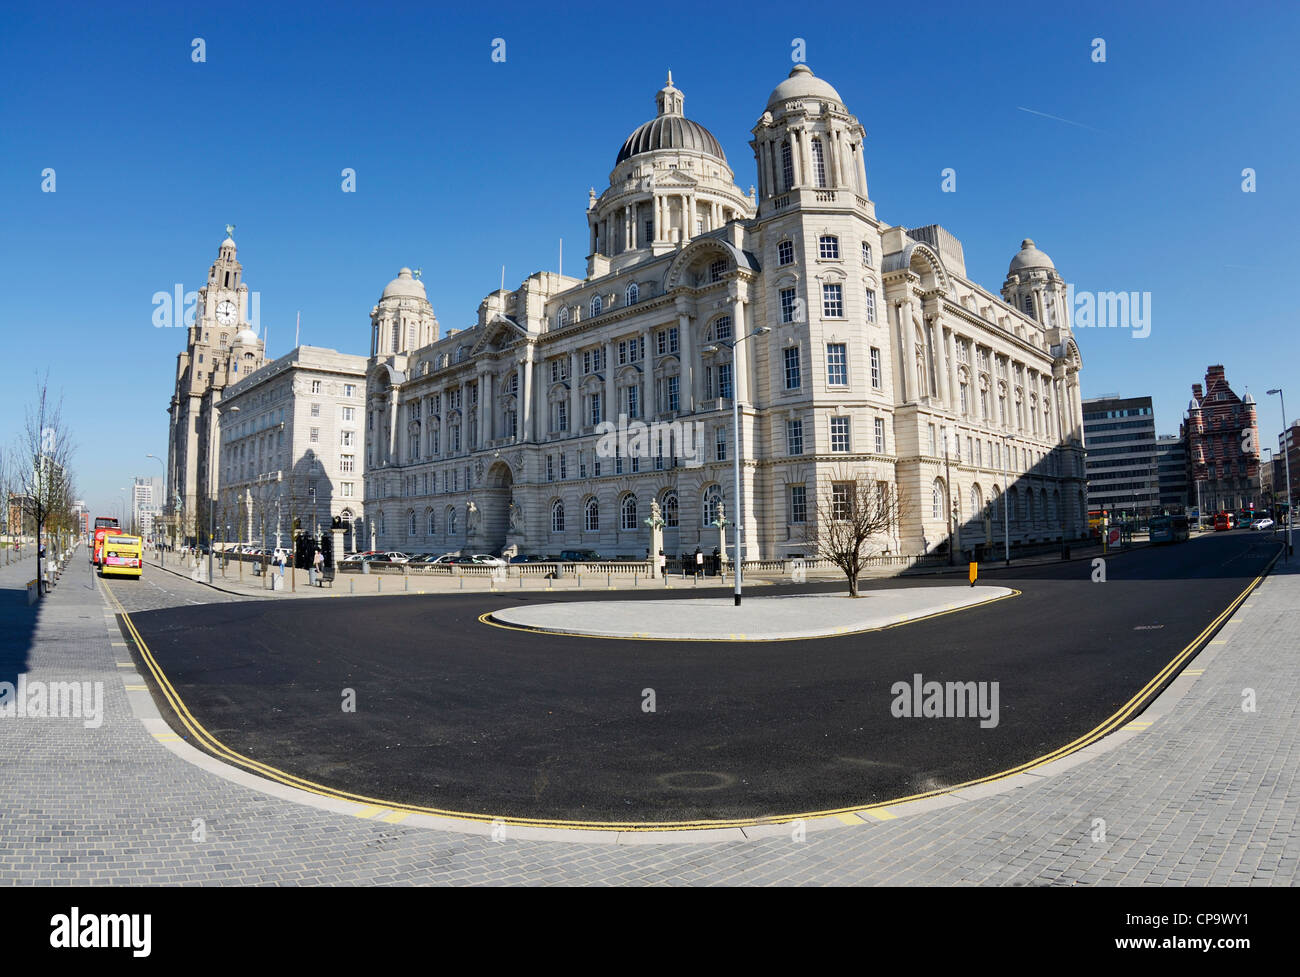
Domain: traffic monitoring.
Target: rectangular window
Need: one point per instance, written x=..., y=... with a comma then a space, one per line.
x=798, y=504
x=788, y=305
x=785, y=253
x=550, y=468
x=649, y=231
x=315, y=435
x=837, y=365
x=724, y=381
x=315, y=386
x=674, y=398
x=315, y=410
x=979, y=453
x=833, y=301
x=875, y=368
x=880, y=435
x=839, y=434
x=562, y=416
x=720, y=445
x=564, y=466
x=347, y=464
x=841, y=500
x=828, y=246
x=871, y=305
x=346, y=489
x=931, y=440
x=633, y=401
x=596, y=415
x=349, y=389
x=345, y=439
x=794, y=437
x=866, y=253
x=793, y=380
x=349, y=413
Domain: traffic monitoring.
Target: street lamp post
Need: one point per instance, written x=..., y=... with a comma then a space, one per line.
x=156, y=539
x=735, y=428
x=1286, y=456
x=952, y=508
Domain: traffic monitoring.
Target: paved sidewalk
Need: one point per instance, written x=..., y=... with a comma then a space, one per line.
x=1207, y=793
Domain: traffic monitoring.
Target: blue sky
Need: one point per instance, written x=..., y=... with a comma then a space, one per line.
x=464, y=165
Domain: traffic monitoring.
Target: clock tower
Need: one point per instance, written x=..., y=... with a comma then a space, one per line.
x=222, y=347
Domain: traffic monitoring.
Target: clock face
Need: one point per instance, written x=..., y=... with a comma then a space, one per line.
x=226, y=313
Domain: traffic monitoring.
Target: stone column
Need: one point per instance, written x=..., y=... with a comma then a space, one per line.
x=941, y=361
x=909, y=352
x=686, y=384
x=524, y=399
x=611, y=404
x=575, y=399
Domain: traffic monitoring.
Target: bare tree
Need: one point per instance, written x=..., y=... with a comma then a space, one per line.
x=43, y=463
x=850, y=512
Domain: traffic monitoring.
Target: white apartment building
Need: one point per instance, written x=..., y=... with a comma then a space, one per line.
x=292, y=457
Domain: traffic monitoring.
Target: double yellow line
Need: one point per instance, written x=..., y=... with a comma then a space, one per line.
x=218, y=749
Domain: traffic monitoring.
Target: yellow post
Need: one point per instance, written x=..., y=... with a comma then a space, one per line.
x=974, y=572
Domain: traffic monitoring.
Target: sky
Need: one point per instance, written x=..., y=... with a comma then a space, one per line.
x=1127, y=171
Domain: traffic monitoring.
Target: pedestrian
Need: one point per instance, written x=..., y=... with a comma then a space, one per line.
x=318, y=563
x=699, y=562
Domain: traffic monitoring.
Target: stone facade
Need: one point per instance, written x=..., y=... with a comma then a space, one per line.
x=854, y=348
x=221, y=348
x=292, y=451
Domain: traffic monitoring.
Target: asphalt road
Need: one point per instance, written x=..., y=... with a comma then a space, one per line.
x=457, y=715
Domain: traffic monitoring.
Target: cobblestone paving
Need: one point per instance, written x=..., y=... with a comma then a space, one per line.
x=1208, y=794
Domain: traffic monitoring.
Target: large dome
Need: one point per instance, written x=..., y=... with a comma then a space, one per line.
x=405, y=285
x=670, y=132
x=802, y=83
x=1029, y=257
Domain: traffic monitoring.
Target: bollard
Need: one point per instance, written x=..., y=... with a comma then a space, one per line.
x=406, y=582
x=352, y=586
x=380, y=581
x=635, y=582
x=521, y=581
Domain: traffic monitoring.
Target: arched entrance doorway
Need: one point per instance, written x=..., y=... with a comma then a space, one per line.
x=493, y=501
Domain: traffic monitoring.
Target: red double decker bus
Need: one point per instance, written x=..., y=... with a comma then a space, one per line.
x=104, y=525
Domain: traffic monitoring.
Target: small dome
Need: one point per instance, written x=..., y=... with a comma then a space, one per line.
x=1248, y=399
x=405, y=285
x=1029, y=257
x=245, y=337
x=670, y=132
x=802, y=83
x=229, y=242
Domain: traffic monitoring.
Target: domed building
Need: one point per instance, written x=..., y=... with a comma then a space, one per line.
x=571, y=412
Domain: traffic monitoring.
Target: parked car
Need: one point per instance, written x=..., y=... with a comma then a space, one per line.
x=487, y=560
x=1262, y=524
x=528, y=558
x=580, y=556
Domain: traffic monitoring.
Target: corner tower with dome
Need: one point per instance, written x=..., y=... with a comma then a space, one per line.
x=872, y=354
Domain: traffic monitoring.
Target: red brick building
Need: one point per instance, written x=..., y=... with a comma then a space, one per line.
x=1223, y=447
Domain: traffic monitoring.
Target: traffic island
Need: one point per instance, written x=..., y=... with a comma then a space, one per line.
x=766, y=618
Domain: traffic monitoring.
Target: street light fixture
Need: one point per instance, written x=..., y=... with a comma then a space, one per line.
x=735, y=428
x=157, y=509
x=1286, y=455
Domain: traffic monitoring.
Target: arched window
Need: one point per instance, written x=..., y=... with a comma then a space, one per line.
x=787, y=167
x=819, y=163
x=976, y=502
x=382, y=529
x=433, y=522
x=1029, y=303
x=449, y=521
x=670, y=510
x=938, y=504
x=712, y=499
x=410, y=522
x=627, y=512
x=557, y=516
x=1043, y=506
x=633, y=294
x=591, y=516
x=596, y=306
x=721, y=328
x=564, y=316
